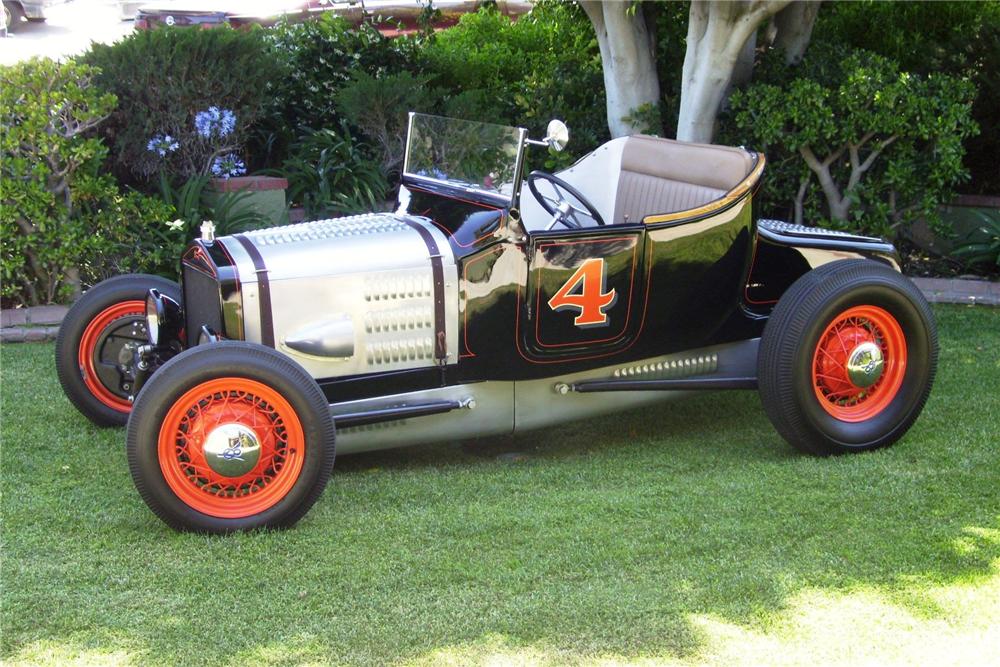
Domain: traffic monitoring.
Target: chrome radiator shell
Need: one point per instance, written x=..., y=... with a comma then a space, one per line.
x=349, y=295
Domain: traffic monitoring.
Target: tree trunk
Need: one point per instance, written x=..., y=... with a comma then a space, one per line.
x=717, y=32
x=628, y=58
x=743, y=69
x=72, y=279
x=794, y=25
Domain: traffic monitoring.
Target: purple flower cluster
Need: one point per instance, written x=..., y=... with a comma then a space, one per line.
x=214, y=122
x=228, y=165
x=161, y=144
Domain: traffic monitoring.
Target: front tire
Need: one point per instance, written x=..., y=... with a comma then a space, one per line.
x=230, y=436
x=97, y=338
x=847, y=358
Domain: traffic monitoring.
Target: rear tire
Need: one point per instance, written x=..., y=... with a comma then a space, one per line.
x=847, y=359
x=93, y=358
x=230, y=436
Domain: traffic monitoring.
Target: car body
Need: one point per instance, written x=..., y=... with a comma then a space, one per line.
x=482, y=306
x=391, y=16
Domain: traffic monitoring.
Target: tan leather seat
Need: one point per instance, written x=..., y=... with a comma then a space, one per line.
x=666, y=176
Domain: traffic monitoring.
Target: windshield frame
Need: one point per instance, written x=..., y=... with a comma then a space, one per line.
x=469, y=191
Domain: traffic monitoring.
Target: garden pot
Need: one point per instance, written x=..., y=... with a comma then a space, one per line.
x=264, y=194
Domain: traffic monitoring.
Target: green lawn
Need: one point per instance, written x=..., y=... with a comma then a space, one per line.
x=686, y=534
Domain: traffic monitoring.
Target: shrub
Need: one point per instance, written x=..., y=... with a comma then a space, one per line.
x=49, y=169
x=882, y=146
x=192, y=203
x=957, y=38
x=163, y=78
x=379, y=107
x=133, y=226
x=328, y=174
x=320, y=57
x=984, y=249
x=545, y=65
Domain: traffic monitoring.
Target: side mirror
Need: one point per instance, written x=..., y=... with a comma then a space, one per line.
x=557, y=135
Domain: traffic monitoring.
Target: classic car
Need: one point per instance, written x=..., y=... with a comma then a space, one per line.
x=485, y=304
x=17, y=11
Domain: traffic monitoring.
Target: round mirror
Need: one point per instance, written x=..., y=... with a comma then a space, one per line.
x=557, y=135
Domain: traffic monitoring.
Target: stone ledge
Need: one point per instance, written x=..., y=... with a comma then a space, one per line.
x=35, y=315
x=28, y=334
x=954, y=290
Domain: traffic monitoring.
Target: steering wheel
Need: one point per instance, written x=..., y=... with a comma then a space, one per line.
x=565, y=207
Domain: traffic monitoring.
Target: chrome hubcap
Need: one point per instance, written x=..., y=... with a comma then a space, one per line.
x=231, y=450
x=865, y=364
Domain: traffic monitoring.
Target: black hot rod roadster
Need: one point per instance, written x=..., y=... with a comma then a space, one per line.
x=483, y=307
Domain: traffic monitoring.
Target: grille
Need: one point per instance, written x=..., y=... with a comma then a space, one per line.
x=202, y=303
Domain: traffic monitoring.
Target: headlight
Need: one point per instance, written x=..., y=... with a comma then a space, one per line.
x=164, y=319
x=154, y=315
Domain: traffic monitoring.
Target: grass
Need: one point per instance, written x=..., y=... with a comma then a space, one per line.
x=684, y=534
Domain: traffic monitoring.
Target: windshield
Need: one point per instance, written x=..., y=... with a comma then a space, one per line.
x=461, y=153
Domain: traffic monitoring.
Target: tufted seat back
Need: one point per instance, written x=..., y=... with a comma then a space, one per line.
x=665, y=176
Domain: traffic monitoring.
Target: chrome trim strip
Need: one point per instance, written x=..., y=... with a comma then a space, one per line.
x=519, y=166
x=409, y=133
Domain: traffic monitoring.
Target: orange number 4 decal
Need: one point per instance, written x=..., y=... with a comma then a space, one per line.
x=584, y=291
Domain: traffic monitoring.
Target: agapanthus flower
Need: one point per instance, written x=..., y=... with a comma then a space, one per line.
x=161, y=144
x=214, y=121
x=228, y=165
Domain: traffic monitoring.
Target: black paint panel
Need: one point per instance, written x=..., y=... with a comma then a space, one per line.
x=469, y=225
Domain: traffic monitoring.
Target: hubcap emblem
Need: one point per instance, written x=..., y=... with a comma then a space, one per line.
x=231, y=450
x=865, y=364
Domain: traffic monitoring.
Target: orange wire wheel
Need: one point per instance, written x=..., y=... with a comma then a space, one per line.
x=859, y=363
x=88, y=354
x=231, y=447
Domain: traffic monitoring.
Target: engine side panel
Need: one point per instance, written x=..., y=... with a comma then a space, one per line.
x=347, y=296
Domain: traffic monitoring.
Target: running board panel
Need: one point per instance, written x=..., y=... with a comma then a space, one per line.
x=399, y=412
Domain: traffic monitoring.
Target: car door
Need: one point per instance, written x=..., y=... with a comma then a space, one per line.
x=584, y=297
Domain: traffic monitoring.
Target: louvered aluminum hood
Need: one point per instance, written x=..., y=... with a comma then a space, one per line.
x=347, y=295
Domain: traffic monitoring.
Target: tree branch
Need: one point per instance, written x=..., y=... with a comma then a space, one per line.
x=833, y=157
x=800, y=199
x=878, y=151
x=833, y=197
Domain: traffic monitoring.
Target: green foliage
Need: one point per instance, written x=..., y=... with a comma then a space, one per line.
x=379, y=108
x=986, y=249
x=545, y=65
x=957, y=38
x=163, y=77
x=668, y=21
x=132, y=227
x=328, y=174
x=192, y=203
x=647, y=118
x=320, y=57
x=877, y=147
x=49, y=169
x=923, y=37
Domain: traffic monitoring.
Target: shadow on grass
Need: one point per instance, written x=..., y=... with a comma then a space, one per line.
x=648, y=535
